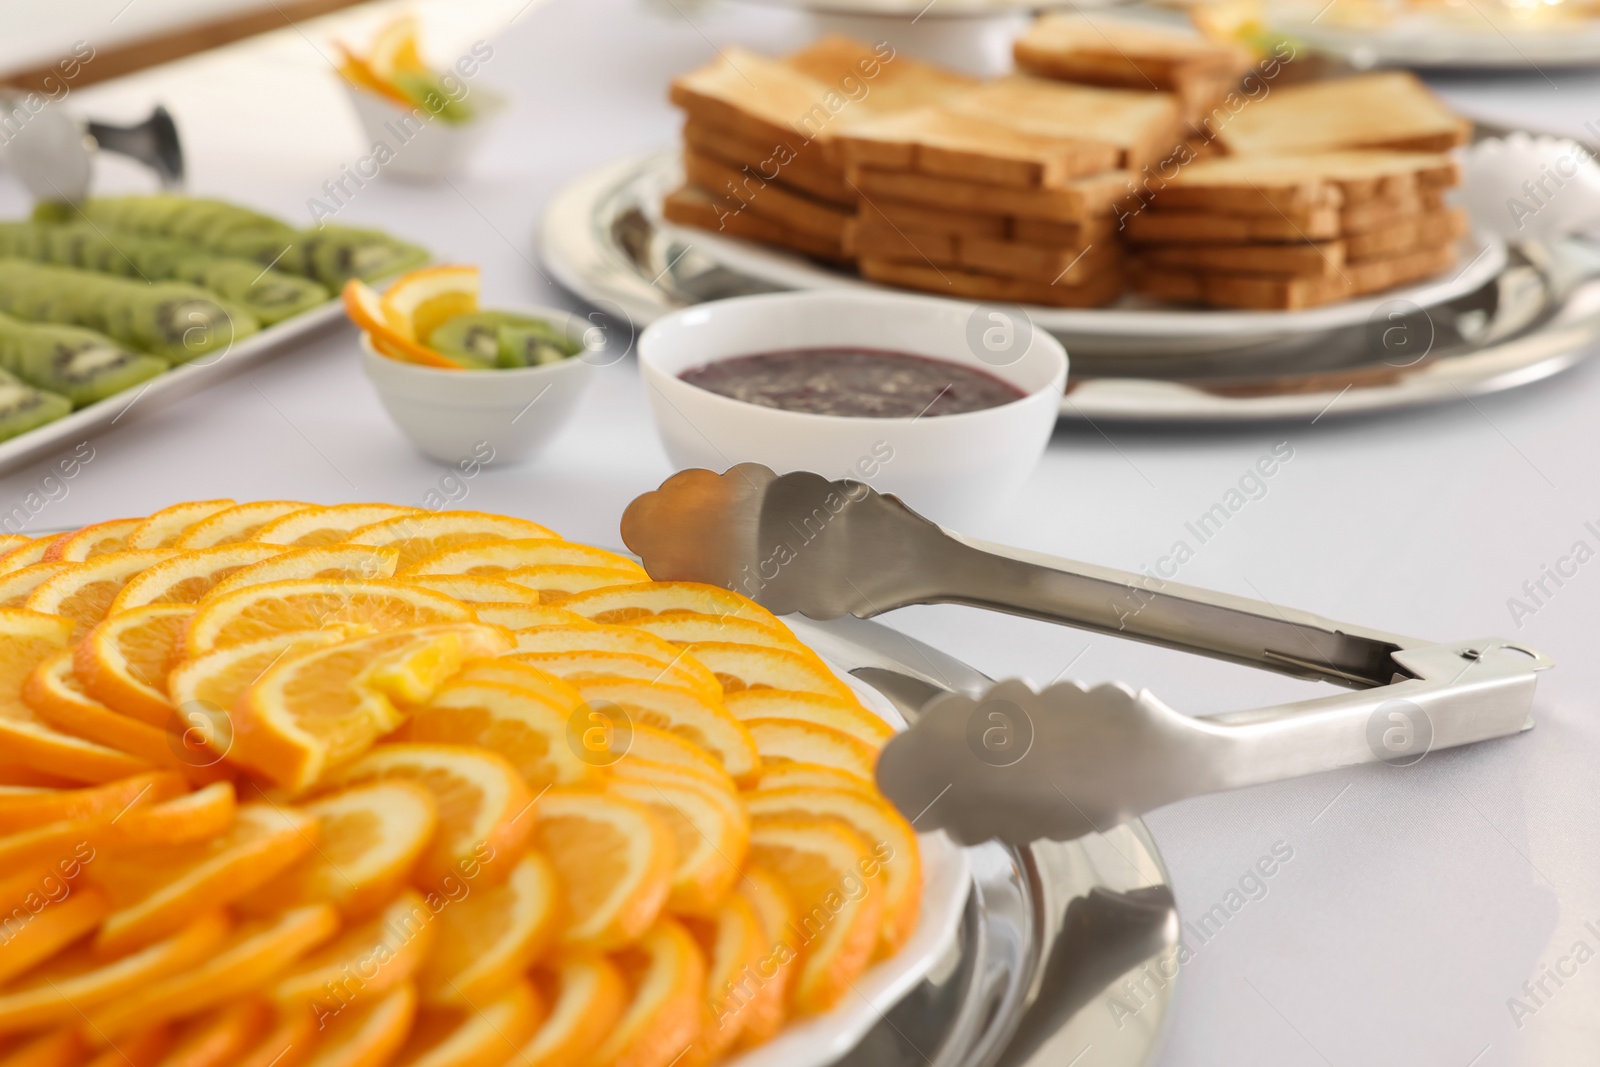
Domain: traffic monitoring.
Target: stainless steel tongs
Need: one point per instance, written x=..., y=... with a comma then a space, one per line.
x=1020, y=765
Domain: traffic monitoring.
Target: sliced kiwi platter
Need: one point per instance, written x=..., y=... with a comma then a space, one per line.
x=102, y=296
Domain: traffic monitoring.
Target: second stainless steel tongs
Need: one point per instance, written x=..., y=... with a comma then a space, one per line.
x=1020, y=765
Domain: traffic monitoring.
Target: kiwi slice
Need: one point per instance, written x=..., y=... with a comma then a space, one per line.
x=523, y=345
x=472, y=339
x=79, y=364
x=22, y=407
x=501, y=339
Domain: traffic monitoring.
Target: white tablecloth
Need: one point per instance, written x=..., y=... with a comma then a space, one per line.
x=1416, y=901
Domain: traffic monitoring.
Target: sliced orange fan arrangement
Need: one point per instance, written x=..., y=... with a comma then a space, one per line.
x=289, y=785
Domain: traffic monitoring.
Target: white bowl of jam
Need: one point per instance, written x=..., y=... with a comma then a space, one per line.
x=945, y=404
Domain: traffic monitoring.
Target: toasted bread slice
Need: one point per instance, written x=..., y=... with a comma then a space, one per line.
x=1124, y=54
x=1078, y=200
x=691, y=206
x=911, y=216
x=1102, y=289
x=935, y=140
x=1271, y=185
x=759, y=98
x=772, y=200
x=1311, y=259
x=1144, y=126
x=876, y=76
x=1203, y=228
x=1005, y=259
x=1288, y=292
x=1054, y=234
x=803, y=167
x=1391, y=109
x=877, y=238
x=1428, y=228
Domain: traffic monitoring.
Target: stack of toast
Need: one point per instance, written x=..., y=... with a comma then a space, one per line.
x=1007, y=192
x=1108, y=164
x=1295, y=231
x=759, y=154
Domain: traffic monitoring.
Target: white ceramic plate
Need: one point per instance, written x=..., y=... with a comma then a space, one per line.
x=1426, y=40
x=818, y=1040
x=173, y=385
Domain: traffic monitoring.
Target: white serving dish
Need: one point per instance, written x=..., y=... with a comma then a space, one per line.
x=449, y=413
x=431, y=152
x=952, y=468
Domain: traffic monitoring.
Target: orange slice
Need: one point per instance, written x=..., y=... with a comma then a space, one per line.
x=238, y=523
x=420, y=300
x=394, y=47
x=364, y=961
x=58, y=1048
x=34, y=936
x=205, y=689
x=364, y=306
x=688, y=628
x=711, y=835
x=486, y=1036
x=145, y=1047
x=359, y=72
x=658, y=748
x=764, y=996
x=91, y=541
x=315, y=526
x=26, y=639
x=667, y=976
x=625, y=603
x=523, y=616
x=893, y=842
x=719, y=786
x=793, y=740
x=788, y=775
x=614, y=858
x=732, y=942
x=587, y=996
x=319, y=709
x=417, y=536
x=18, y=585
x=739, y=667
x=369, y=838
x=84, y=593
x=488, y=938
x=251, y=956
x=558, y=581
x=187, y=577
x=475, y=589
x=485, y=810
x=530, y=731
x=846, y=716
x=287, y=1044
x=682, y=712
x=826, y=868
x=78, y=981
x=366, y=1036
x=624, y=639
x=325, y=562
x=592, y=665
x=124, y=661
x=504, y=670
x=26, y=554
x=218, y=1037
x=163, y=528
x=196, y=816
x=501, y=556
x=11, y=542
x=156, y=889
x=25, y=809
x=258, y=611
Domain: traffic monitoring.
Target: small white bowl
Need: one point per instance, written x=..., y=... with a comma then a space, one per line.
x=450, y=414
x=425, y=149
x=951, y=468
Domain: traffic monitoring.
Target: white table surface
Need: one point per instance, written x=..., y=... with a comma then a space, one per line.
x=1417, y=900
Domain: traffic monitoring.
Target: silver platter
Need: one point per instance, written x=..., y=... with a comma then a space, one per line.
x=1054, y=935
x=1536, y=316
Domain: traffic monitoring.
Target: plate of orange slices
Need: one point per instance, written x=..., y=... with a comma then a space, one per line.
x=343, y=786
